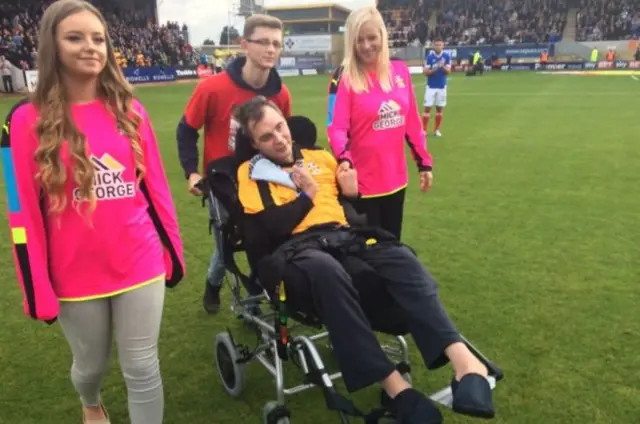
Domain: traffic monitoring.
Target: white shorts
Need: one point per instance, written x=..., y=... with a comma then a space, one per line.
x=435, y=97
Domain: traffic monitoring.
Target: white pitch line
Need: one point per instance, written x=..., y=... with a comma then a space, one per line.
x=635, y=77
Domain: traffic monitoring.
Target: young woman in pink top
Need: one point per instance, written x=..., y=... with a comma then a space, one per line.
x=93, y=224
x=372, y=111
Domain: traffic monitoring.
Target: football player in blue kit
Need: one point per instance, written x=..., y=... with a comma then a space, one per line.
x=437, y=68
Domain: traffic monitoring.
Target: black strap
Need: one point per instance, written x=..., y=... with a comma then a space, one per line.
x=403, y=368
x=375, y=415
x=265, y=194
x=230, y=263
x=337, y=402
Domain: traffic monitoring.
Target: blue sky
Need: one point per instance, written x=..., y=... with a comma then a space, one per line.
x=206, y=18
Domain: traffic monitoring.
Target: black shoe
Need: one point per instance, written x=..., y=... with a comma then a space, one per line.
x=211, y=299
x=472, y=396
x=413, y=407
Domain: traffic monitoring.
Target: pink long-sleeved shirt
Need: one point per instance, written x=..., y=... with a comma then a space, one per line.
x=132, y=237
x=369, y=129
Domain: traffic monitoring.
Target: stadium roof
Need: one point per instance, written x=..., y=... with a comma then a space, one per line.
x=309, y=6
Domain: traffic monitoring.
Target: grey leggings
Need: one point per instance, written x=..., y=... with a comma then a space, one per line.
x=134, y=319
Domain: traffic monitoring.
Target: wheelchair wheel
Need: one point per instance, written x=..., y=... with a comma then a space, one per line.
x=230, y=372
x=274, y=413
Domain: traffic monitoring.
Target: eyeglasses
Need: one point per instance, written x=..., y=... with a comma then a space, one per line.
x=265, y=43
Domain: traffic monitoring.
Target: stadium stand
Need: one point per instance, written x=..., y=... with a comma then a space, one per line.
x=468, y=22
x=407, y=21
x=472, y=22
x=608, y=20
x=138, y=40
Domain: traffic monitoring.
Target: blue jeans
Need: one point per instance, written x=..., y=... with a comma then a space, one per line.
x=217, y=270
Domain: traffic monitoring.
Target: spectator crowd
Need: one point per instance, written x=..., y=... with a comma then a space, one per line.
x=469, y=22
x=608, y=20
x=138, y=40
x=406, y=21
x=474, y=22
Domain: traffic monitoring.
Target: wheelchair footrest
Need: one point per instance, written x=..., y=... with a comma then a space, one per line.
x=445, y=396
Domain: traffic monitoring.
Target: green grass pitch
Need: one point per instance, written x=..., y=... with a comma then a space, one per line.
x=532, y=231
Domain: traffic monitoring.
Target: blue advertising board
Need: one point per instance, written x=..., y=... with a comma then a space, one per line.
x=310, y=62
x=516, y=51
x=573, y=66
x=150, y=74
x=302, y=62
x=287, y=62
x=632, y=66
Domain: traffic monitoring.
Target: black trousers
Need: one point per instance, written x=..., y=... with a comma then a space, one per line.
x=316, y=283
x=384, y=212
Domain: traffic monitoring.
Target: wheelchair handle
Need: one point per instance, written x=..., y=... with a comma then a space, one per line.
x=202, y=186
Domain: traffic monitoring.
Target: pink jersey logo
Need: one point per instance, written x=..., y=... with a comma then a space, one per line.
x=389, y=116
x=108, y=181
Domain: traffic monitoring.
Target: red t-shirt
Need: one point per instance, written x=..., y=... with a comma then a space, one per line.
x=211, y=106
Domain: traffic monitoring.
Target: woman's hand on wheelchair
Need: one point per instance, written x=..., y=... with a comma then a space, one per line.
x=343, y=166
x=347, y=180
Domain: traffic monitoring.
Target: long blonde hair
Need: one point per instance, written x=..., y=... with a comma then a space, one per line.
x=355, y=75
x=55, y=124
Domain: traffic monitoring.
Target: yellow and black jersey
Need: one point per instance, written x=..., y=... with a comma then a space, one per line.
x=283, y=211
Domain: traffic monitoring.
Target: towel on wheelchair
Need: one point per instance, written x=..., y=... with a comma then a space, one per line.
x=333, y=276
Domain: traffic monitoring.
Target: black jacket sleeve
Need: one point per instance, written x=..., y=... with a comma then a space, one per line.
x=278, y=222
x=265, y=231
x=187, y=147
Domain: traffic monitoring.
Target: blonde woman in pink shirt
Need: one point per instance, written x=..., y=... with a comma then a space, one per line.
x=372, y=112
x=94, y=230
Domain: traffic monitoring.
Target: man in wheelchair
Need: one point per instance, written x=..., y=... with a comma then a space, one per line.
x=293, y=195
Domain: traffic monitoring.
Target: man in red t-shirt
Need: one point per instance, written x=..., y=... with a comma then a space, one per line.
x=211, y=105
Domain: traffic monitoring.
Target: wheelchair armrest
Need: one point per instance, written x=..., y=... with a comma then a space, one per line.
x=353, y=217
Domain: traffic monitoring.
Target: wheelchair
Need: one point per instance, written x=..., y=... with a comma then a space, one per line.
x=278, y=341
